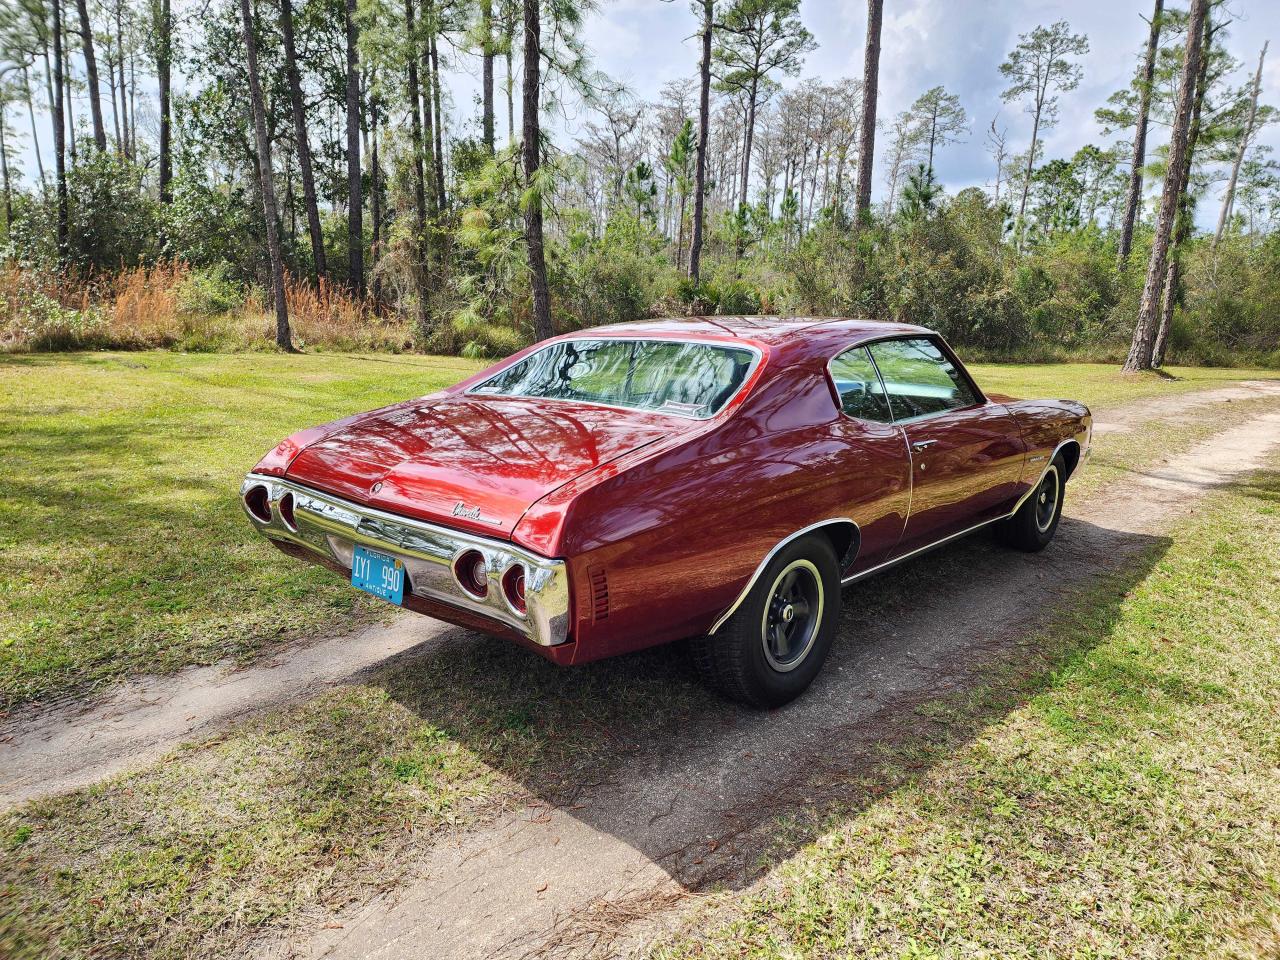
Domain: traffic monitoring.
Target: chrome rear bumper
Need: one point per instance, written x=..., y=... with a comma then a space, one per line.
x=330, y=527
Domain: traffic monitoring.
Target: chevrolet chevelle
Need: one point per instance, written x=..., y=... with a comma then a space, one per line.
x=716, y=479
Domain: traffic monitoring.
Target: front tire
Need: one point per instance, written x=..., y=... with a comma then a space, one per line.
x=1033, y=525
x=773, y=646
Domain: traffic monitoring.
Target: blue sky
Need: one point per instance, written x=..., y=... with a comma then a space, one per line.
x=958, y=44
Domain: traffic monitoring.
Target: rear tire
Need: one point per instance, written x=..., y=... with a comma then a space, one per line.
x=1036, y=521
x=773, y=646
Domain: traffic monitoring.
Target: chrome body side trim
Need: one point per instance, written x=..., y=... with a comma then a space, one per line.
x=977, y=526
x=331, y=527
x=768, y=557
x=895, y=560
x=919, y=550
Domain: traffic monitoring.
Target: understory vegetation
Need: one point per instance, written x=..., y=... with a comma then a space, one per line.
x=399, y=218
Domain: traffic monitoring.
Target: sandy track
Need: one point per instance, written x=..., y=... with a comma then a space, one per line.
x=52, y=750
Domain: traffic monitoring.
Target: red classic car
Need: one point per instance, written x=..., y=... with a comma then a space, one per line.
x=631, y=485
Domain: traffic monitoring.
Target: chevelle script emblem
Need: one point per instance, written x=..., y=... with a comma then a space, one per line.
x=460, y=509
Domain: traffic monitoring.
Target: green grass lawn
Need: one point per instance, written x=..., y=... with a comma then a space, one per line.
x=125, y=547
x=125, y=550
x=1121, y=804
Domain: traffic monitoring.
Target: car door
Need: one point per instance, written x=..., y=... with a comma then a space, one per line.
x=965, y=452
x=873, y=465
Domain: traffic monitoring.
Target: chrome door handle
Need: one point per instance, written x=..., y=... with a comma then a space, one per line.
x=922, y=444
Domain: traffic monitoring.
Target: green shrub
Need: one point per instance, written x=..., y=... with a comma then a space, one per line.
x=209, y=292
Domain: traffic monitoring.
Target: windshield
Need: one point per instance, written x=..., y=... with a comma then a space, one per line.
x=666, y=376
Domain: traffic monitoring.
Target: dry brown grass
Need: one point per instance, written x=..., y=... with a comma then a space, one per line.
x=172, y=305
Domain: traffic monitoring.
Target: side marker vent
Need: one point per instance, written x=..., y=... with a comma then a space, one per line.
x=599, y=593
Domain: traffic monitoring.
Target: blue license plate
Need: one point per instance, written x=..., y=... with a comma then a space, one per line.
x=379, y=574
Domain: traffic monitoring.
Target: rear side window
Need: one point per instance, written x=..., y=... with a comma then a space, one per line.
x=861, y=393
x=919, y=378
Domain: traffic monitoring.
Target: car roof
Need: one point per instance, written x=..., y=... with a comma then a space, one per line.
x=771, y=331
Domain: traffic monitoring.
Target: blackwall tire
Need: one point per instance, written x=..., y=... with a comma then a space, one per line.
x=773, y=646
x=1036, y=521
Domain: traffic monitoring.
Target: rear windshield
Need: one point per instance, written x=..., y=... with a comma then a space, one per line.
x=666, y=376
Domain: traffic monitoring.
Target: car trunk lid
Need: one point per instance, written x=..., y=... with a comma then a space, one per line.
x=475, y=463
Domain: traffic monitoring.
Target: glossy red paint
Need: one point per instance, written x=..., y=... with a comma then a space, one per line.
x=677, y=514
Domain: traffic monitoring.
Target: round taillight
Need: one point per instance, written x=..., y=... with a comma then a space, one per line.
x=285, y=506
x=472, y=573
x=513, y=587
x=258, y=503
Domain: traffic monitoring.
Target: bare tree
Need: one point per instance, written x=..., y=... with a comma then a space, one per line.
x=266, y=182
x=1246, y=135
x=998, y=148
x=1133, y=199
x=870, y=93
x=532, y=152
x=1038, y=69
x=1142, y=347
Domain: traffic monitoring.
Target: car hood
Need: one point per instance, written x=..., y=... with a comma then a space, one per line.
x=476, y=463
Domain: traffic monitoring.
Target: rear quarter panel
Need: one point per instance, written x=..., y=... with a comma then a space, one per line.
x=678, y=534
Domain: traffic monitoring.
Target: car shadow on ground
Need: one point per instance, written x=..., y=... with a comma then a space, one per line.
x=928, y=654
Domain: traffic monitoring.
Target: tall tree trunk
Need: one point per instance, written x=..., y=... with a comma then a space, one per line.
x=748, y=136
x=127, y=147
x=1184, y=222
x=375, y=187
x=4, y=170
x=486, y=84
x=1026, y=174
x=704, y=126
x=428, y=117
x=266, y=184
x=298, y=109
x=1229, y=199
x=35, y=138
x=420, y=265
x=164, y=67
x=91, y=76
x=510, y=28
x=532, y=150
x=115, y=109
x=1143, y=345
x=355, y=193
x=67, y=94
x=1133, y=199
x=870, y=90
x=59, y=132
x=441, y=198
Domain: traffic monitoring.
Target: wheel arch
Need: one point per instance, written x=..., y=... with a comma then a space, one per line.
x=846, y=541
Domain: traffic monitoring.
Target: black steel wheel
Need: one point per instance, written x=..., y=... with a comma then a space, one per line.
x=768, y=652
x=1036, y=521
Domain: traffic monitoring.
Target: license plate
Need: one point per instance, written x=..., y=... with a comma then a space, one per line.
x=379, y=574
